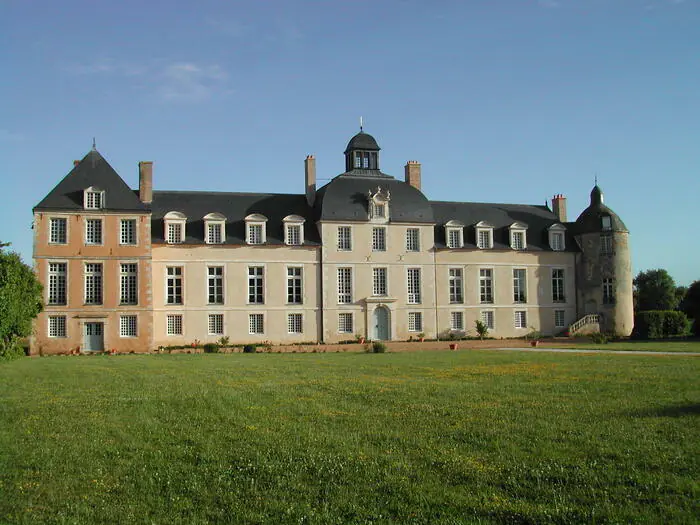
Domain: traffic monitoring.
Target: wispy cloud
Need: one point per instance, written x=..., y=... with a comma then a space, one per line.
x=189, y=82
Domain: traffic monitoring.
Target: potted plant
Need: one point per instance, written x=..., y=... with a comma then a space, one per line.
x=360, y=339
x=421, y=337
x=453, y=346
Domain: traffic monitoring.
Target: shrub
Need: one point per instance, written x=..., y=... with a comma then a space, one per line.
x=657, y=324
x=249, y=349
x=211, y=348
x=224, y=341
x=378, y=347
x=481, y=329
x=599, y=338
x=11, y=349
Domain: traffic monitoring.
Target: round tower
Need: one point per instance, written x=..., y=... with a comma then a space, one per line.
x=604, y=272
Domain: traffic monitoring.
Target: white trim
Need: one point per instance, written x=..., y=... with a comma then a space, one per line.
x=484, y=227
x=214, y=219
x=554, y=230
x=518, y=228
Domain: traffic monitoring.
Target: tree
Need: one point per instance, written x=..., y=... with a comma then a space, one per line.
x=656, y=290
x=691, y=304
x=681, y=292
x=20, y=300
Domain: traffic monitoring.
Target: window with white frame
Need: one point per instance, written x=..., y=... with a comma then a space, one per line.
x=256, y=229
x=519, y=285
x=344, y=238
x=93, y=231
x=378, y=239
x=379, y=281
x=256, y=324
x=484, y=236
x=295, y=323
x=456, y=320
x=344, y=285
x=174, y=222
x=293, y=230
x=128, y=326
x=558, y=285
x=128, y=283
x=455, y=283
x=215, y=285
x=486, y=285
x=518, y=236
x=606, y=222
x=520, y=317
x=174, y=324
x=345, y=323
x=556, y=237
x=216, y=324
x=413, y=285
x=214, y=228
x=173, y=284
x=93, y=283
x=295, y=285
x=57, y=326
x=559, y=318
x=454, y=234
x=127, y=232
x=378, y=210
x=487, y=317
x=412, y=240
x=57, y=283
x=415, y=321
x=58, y=230
x=378, y=205
x=256, y=285
x=608, y=291
x=93, y=199
x=606, y=244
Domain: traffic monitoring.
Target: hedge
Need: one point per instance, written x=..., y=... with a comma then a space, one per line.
x=658, y=324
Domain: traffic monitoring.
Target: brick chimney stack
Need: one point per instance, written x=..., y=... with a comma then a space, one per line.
x=146, y=181
x=412, y=173
x=559, y=207
x=310, y=179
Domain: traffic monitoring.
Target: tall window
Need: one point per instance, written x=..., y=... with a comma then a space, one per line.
x=174, y=324
x=520, y=319
x=517, y=240
x=487, y=318
x=295, y=324
x=457, y=320
x=378, y=239
x=415, y=321
x=256, y=285
x=174, y=233
x=413, y=285
x=215, y=285
x=556, y=240
x=295, y=288
x=57, y=283
x=216, y=324
x=345, y=285
x=174, y=284
x=484, y=238
x=215, y=233
x=127, y=326
x=345, y=323
x=412, y=240
x=519, y=285
x=608, y=291
x=456, y=285
x=256, y=324
x=94, y=199
x=93, y=231
x=128, y=283
x=379, y=281
x=559, y=318
x=255, y=234
x=127, y=231
x=558, y=285
x=294, y=234
x=344, y=239
x=58, y=228
x=606, y=244
x=93, y=283
x=57, y=326
x=454, y=238
x=486, y=285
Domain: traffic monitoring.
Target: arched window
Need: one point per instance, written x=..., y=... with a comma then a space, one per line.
x=518, y=236
x=293, y=230
x=214, y=228
x=174, y=227
x=255, y=229
x=454, y=234
x=484, y=235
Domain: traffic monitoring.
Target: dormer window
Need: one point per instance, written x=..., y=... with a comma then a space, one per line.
x=255, y=226
x=93, y=198
x=484, y=236
x=293, y=230
x=378, y=204
x=174, y=223
x=378, y=210
x=557, y=237
x=606, y=222
x=214, y=228
x=454, y=234
x=518, y=236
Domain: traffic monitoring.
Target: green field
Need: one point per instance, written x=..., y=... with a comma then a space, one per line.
x=419, y=437
x=633, y=345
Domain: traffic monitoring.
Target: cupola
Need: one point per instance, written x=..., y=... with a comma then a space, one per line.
x=362, y=153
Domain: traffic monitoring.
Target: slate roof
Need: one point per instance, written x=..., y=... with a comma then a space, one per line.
x=235, y=207
x=590, y=220
x=501, y=216
x=93, y=171
x=363, y=141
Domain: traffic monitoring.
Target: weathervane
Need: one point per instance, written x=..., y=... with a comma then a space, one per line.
x=360, y=124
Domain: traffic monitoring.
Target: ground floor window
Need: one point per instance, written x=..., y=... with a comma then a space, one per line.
x=559, y=319
x=127, y=326
x=345, y=323
x=487, y=318
x=457, y=321
x=216, y=324
x=415, y=321
x=57, y=326
x=256, y=324
x=294, y=323
x=174, y=324
x=520, y=319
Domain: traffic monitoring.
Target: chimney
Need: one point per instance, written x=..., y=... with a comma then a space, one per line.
x=75, y=163
x=146, y=181
x=310, y=176
x=559, y=207
x=412, y=173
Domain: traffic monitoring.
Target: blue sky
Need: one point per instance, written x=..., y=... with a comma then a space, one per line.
x=501, y=101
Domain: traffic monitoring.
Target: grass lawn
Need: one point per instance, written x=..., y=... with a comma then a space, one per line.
x=637, y=346
x=415, y=437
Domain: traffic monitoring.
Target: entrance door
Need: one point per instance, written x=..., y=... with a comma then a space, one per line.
x=94, y=337
x=381, y=323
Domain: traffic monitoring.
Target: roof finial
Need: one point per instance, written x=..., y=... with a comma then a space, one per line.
x=360, y=124
x=596, y=178
x=94, y=147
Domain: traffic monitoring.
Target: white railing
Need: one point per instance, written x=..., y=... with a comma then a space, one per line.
x=585, y=320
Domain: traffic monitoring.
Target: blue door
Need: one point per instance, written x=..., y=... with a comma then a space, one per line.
x=93, y=340
x=381, y=323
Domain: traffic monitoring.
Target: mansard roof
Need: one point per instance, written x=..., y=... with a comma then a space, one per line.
x=235, y=207
x=93, y=171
